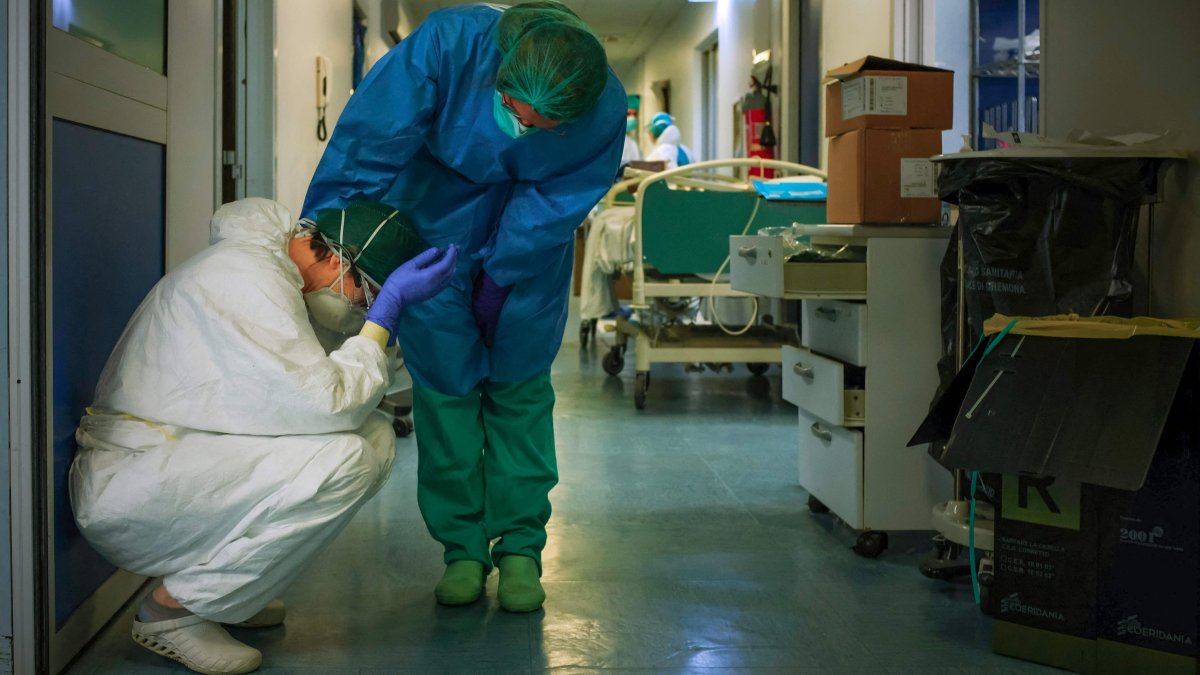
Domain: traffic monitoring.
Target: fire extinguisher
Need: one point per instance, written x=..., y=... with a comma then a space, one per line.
x=759, y=132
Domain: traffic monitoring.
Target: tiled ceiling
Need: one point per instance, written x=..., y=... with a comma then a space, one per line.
x=627, y=27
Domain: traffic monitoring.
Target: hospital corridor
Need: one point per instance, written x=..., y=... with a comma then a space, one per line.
x=600, y=336
x=674, y=547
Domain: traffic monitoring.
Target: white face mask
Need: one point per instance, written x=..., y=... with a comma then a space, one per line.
x=333, y=310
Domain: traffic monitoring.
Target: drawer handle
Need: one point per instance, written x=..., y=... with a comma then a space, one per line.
x=749, y=253
x=803, y=371
x=821, y=432
x=827, y=313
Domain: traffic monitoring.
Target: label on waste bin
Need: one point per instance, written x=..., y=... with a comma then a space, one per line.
x=874, y=95
x=1043, y=501
x=918, y=178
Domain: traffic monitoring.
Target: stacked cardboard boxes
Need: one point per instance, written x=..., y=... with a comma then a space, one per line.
x=884, y=119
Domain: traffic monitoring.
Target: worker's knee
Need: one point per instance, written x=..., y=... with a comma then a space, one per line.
x=364, y=457
x=380, y=435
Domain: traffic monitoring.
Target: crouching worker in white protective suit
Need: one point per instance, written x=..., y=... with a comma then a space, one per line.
x=225, y=449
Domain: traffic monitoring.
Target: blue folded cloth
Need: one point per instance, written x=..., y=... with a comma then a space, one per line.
x=794, y=192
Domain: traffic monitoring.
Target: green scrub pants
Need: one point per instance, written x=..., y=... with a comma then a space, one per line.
x=485, y=467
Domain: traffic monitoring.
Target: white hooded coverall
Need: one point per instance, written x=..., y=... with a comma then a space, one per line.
x=225, y=448
x=667, y=148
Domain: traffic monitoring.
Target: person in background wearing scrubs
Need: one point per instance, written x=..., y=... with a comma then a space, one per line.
x=668, y=146
x=224, y=448
x=633, y=151
x=494, y=129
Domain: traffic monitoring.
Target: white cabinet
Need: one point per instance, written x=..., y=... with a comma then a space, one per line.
x=864, y=379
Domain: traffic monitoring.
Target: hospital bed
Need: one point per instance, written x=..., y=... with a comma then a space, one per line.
x=681, y=223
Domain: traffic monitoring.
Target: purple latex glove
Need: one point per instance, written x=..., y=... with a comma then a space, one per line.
x=489, y=299
x=415, y=281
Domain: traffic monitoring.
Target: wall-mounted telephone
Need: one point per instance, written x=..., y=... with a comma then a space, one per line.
x=323, y=68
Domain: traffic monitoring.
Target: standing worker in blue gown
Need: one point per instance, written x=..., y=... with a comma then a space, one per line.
x=496, y=130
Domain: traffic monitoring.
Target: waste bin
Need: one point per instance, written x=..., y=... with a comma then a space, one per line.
x=1041, y=235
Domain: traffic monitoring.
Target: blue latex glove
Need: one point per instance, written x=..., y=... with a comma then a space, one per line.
x=416, y=280
x=486, y=305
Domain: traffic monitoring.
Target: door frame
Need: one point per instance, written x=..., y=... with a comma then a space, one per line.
x=250, y=162
x=54, y=75
x=90, y=86
x=23, y=63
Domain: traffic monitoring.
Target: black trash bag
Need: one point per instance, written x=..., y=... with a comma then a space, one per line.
x=948, y=363
x=1044, y=236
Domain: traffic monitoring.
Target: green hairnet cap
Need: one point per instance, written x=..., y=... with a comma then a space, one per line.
x=373, y=235
x=659, y=123
x=552, y=60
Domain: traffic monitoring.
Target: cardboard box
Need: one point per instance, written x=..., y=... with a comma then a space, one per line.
x=877, y=93
x=881, y=176
x=1096, y=568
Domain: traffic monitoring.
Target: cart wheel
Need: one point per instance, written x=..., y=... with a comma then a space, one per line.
x=758, y=368
x=816, y=505
x=640, y=387
x=871, y=544
x=943, y=561
x=585, y=332
x=613, y=362
x=403, y=426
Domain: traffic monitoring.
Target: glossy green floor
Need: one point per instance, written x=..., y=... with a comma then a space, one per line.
x=680, y=543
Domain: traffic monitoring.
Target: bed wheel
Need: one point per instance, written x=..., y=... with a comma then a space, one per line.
x=613, y=361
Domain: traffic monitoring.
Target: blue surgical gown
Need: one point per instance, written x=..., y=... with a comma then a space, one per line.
x=419, y=134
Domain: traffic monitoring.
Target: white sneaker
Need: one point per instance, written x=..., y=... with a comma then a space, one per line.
x=199, y=644
x=271, y=615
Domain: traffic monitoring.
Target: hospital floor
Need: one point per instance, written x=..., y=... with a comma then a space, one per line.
x=680, y=543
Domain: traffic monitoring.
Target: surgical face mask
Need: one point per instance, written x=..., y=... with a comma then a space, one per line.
x=630, y=125
x=508, y=121
x=333, y=310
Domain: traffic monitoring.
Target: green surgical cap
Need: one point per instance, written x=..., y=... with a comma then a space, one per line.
x=659, y=123
x=372, y=235
x=552, y=60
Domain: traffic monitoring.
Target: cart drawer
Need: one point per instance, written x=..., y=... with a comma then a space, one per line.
x=824, y=387
x=758, y=265
x=836, y=328
x=834, y=278
x=831, y=466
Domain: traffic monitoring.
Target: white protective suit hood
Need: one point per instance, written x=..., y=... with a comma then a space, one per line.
x=253, y=220
x=670, y=136
x=223, y=343
x=666, y=149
